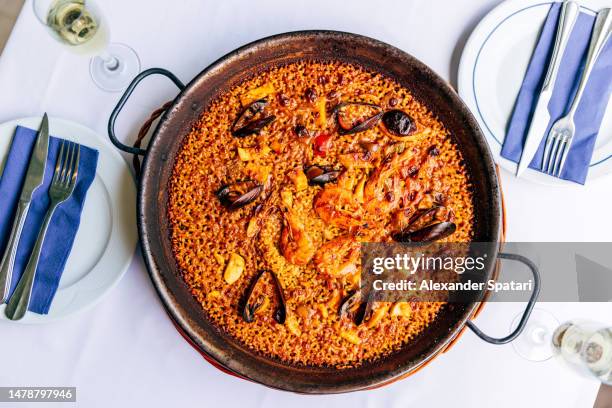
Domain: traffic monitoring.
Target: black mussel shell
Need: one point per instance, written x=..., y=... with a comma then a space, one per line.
x=280, y=315
x=248, y=123
x=239, y=194
x=398, y=123
x=254, y=127
x=320, y=175
x=349, y=303
x=353, y=308
x=359, y=125
x=422, y=215
x=430, y=233
x=249, y=308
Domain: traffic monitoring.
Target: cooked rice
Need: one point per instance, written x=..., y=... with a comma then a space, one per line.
x=205, y=233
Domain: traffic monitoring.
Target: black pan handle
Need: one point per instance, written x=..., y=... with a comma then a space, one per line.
x=532, y=300
x=125, y=97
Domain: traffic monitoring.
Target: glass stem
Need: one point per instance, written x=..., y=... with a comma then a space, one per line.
x=111, y=63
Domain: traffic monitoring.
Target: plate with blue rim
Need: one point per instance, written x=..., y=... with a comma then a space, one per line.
x=491, y=71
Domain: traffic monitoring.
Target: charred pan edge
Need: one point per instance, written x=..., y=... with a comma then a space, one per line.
x=152, y=201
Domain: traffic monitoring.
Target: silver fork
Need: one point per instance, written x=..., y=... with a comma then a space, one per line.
x=563, y=130
x=62, y=187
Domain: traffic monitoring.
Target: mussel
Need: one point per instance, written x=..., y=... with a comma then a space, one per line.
x=250, y=305
x=250, y=120
x=398, y=122
x=239, y=194
x=320, y=175
x=430, y=233
x=424, y=216
x=352, y=307
x=355, y=117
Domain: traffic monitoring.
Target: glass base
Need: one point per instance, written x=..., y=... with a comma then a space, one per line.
x=115, y=75
x=535, y=343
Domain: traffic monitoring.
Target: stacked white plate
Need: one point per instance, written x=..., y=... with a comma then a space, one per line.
x=107, y=237
x=491, y=72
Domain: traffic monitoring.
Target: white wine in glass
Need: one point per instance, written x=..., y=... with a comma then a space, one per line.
x=76, y=26
x=580, y=344
x=586, y=347
x=79, y=25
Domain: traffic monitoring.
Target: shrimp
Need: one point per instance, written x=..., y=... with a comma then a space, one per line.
x=336, y=206
x=295, y=245
x=338, y=257
x=383, y=190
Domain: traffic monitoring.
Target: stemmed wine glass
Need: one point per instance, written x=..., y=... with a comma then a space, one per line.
x=583, y=345
x=79, y=24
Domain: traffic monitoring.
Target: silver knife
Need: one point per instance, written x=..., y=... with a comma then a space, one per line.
x=33, y=179
x=541, y=115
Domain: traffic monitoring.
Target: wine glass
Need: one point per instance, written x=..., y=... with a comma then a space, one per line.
x=534, y=343
x=584, y=346
x=79, y=25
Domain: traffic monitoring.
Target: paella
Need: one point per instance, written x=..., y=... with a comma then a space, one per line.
x=279, y=182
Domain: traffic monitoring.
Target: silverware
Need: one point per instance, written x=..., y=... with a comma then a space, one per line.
x=563, y=130
x=541, y=115
x=34, y=179
x=62, y=186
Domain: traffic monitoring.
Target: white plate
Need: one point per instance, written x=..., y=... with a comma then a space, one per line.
x=107, y=236
x=491, y=71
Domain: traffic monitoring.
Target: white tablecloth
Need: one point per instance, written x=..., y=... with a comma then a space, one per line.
x=126, y=352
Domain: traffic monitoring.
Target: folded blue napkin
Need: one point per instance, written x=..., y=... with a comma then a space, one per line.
x=65, y=221
x=592, y=106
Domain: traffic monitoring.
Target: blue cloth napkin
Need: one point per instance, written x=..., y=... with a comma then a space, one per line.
x=591, y=109
x=65, y=221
